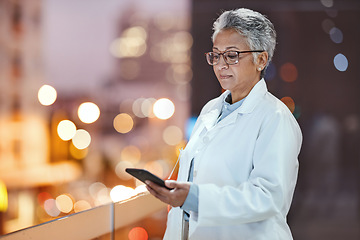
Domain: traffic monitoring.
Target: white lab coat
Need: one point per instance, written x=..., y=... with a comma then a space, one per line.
x=246, y=169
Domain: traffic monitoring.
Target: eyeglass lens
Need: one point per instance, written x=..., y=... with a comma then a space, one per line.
x=230, y=57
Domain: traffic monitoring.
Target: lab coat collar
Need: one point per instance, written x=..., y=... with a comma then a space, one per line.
x=210, y=118
x=252, y=99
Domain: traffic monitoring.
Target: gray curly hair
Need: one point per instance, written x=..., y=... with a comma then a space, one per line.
x=255, y=27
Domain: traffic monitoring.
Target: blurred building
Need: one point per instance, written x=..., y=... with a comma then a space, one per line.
x=55, y=162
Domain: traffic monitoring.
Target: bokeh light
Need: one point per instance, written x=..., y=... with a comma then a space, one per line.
x=289, y=102
x=82, y=139
x=120, y=193
x=103, y=196
x=123, y=123
x=164, y=108
x=288, y=72
x=95, y=188
x=327, y=3
x=47, y=95
x=136, y=107
x=140, y=189
x=172, y=135
x=50, y=208
x=88, y=112
x=42, y=197
x=179, y=73
x=81, y=205
x=64, y=203
x=142, y=107
x=66, y=130
x=78, y=153
x=341, y=62
x=138, y=233
x=270, y=72
x=120, y=170
x=336, y=35
x=132, y=43
x=190, y=124
x=3, y=197
x=147, y=107
x=327, y=25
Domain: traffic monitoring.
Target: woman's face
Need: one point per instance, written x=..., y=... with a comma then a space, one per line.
x=239, y=78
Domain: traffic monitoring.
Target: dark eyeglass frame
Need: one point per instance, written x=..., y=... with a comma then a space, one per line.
x=225, y=58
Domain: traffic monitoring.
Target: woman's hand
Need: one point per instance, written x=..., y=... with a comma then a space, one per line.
x=175, y=197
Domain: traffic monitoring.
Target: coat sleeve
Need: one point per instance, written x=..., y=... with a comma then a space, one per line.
x=271, y=183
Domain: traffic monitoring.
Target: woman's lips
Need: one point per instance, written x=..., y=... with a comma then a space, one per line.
x=225, y=76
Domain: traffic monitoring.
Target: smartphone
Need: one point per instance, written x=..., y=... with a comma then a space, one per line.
x=144, y=175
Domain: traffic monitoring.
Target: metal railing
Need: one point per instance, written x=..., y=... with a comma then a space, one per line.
x=94, y=222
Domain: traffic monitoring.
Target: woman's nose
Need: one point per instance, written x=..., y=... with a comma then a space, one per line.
x=222, y=63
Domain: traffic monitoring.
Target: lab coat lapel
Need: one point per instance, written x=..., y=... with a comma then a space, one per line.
x=248, y=105
x=209, y=119
x=206, y=122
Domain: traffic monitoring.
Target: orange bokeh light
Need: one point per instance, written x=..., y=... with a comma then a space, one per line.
x=289, y=102
x=289, y=72
x=42, y=197
x=138, y=233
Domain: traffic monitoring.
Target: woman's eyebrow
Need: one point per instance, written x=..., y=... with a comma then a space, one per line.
x=227, y=48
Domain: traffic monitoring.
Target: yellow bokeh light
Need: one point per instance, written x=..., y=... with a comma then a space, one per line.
x=132, y=43
x=78, y=153
x=182, y=41
x=66, y=130
x=64, y=203
x=120, y=193
x=123, y=123
x=88, y=112
x=81, y=205
x=3, y=197
x=47, y=95
x=164, y=108
x=172, y=135
x=82, y=139
x=120, y=169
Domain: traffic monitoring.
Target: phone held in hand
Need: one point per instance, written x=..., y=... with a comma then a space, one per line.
x=144, y=175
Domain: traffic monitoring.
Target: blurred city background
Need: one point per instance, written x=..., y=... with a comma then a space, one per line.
x=88, y=88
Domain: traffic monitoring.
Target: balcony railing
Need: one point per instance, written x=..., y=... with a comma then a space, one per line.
x=93, y=223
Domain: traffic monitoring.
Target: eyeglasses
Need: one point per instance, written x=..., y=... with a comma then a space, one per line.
x=230, y=57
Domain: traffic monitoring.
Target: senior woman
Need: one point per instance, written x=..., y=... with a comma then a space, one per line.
x=238, y=171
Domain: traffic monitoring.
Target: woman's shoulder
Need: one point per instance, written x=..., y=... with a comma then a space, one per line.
x=274, y=104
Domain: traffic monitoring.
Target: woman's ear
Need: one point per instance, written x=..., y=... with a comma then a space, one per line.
x=262, y=60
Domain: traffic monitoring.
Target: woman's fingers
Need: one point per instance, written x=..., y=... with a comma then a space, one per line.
x=175, y=197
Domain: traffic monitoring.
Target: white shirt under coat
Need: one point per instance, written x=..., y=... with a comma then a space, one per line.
x=246, y=169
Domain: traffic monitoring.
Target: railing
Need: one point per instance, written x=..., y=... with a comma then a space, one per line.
x=94, y=222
